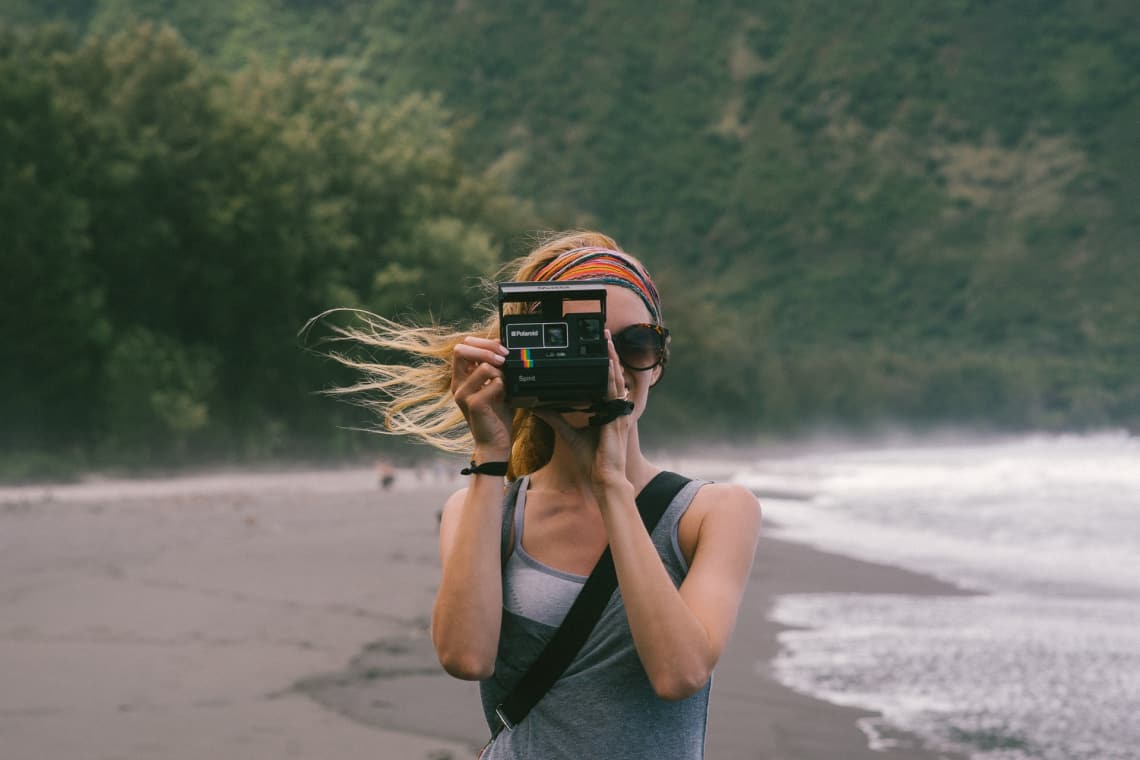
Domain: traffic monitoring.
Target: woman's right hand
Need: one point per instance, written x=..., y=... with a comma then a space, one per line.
x=478, y=388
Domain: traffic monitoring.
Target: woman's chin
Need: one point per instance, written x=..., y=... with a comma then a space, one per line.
x=577, y=420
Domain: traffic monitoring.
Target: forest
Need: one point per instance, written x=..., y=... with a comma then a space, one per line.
x=860, y=215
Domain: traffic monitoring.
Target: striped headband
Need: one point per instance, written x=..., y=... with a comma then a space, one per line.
x=609, y=266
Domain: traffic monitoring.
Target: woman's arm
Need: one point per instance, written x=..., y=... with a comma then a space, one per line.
x=468, y=606
x=680, y=634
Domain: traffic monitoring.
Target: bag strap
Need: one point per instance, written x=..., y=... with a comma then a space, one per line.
x=652, y=502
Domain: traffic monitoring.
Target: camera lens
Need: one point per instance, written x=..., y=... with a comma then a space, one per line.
x=554, y=336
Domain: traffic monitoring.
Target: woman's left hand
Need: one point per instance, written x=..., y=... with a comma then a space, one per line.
x=599, y=451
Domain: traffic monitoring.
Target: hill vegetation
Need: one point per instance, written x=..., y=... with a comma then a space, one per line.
x=858, y=213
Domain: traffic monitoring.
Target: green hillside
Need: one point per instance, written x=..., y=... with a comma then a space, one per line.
x=859, y=212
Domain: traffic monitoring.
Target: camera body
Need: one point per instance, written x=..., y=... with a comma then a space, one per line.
x=556, y=342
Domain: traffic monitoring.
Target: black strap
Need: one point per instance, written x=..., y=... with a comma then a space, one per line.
x=609, y=410
x=652, y=502
x=604, y=411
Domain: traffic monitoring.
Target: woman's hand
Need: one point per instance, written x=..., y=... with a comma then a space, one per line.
x=478, y=389
x=600, y=452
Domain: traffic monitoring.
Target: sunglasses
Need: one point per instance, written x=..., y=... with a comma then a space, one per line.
x=642, y=346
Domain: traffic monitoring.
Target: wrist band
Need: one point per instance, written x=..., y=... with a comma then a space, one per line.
x=487, y=468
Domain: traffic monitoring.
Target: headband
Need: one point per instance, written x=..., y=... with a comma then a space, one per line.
x=609, y=266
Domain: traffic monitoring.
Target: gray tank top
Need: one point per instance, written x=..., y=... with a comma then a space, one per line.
x=603, y=705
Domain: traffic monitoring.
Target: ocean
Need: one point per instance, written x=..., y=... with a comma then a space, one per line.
x=1044, y=664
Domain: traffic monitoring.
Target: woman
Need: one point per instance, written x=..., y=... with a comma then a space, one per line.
x=511, y=566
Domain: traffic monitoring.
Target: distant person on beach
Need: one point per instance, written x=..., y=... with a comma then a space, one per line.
x=516, y=553
x=385, y=474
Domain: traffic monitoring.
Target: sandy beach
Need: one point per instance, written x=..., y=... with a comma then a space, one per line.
x=285, y=616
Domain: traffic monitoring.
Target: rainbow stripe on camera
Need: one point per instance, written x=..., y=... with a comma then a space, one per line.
x=527, y=360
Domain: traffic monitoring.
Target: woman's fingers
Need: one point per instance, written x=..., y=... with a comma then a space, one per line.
x=485, y=402
x=471, y=354
x=481, y=375
x=617, y=379
x=467, y=353
x=482, y=399
x=486, y=344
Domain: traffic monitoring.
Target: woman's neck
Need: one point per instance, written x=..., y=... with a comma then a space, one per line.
x=561, y=472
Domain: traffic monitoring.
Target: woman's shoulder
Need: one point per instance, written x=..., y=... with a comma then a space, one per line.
x=454, y=503
x=730, y=494
x=718, y=510
x=725, y=502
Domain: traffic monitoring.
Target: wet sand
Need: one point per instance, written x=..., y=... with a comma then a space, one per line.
x=285, y=616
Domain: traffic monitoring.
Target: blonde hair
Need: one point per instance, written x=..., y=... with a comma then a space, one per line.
x=415, y=398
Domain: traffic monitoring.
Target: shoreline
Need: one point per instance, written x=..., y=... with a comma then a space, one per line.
x=773, y=720
x=267, y=618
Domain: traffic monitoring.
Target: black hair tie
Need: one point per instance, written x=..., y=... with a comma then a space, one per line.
x=487, y=468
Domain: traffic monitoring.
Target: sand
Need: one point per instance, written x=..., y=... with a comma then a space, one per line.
x=285, y=616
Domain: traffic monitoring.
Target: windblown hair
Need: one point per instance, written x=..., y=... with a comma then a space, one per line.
x=415, y=398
